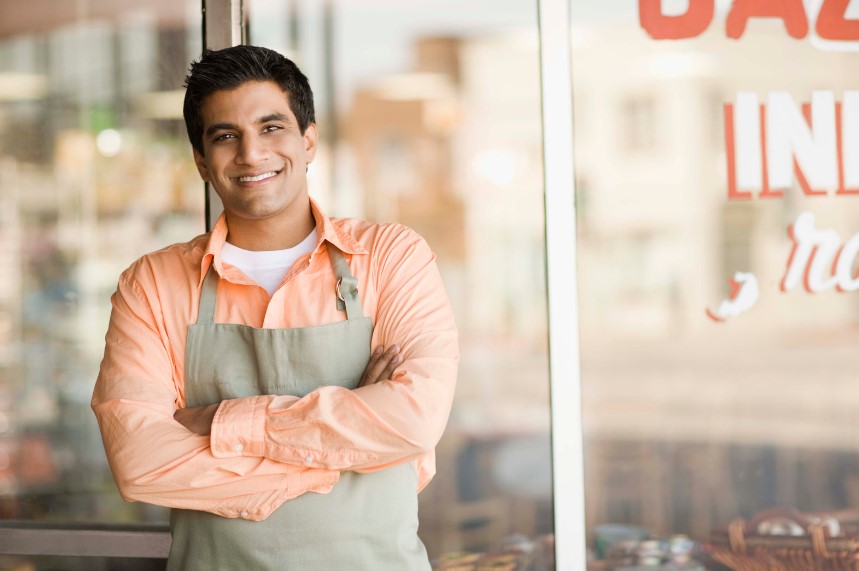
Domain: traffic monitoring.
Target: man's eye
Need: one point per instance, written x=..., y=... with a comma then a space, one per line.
x=223, y=137
x=270, y=128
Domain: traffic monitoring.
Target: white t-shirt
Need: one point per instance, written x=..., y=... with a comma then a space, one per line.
x=267, y=268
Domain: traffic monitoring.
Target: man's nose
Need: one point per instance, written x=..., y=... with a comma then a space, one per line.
x=252, y=150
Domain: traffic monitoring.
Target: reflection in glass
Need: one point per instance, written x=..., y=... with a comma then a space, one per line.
x=94, y=172
x=691, y=423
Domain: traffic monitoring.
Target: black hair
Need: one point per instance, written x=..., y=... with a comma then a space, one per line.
x=231, y=67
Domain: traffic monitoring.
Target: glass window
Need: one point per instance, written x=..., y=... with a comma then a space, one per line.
x=430, y=116
x=639, y=123
x=718, y=306
x=95, y=170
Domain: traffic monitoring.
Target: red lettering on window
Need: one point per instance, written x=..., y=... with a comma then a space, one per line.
x=733, y=192
x=831, y=23
x=661, y=27
x=766, y=192
x=842, y=188
x=784, y=286
x=800, y=176
x=791, y=12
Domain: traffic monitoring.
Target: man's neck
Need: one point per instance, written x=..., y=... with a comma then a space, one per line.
x=270, y=234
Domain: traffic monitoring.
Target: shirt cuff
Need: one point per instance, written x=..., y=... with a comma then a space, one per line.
x=238, y=428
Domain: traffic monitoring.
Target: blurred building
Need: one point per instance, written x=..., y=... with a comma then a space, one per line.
x=441, y=149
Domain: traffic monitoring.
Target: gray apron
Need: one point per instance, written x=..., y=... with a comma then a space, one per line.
x=368, y=521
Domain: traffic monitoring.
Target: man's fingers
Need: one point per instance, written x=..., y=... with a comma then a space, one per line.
x=381, y=365
x=389, y=370
x=197, y=419
x=378, y=365
x=374, y=367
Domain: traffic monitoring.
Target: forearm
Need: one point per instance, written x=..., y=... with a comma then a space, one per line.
x=153, y=457
x=377, y=425
x=156, y=460
x=334, y=428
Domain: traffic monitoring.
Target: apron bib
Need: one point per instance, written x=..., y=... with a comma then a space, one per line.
x=368, y=521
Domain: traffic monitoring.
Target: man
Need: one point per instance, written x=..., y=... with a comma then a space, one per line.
x=238, y=385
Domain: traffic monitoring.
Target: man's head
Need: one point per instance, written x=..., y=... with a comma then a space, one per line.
x=250, y=119
x=231, y=67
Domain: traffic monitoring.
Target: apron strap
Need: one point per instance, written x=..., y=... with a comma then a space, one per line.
x=208, y=294
x=347, y=285
x=347, y=290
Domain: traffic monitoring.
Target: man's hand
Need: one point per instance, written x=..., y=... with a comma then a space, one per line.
x=197, y=419
x=381, y=366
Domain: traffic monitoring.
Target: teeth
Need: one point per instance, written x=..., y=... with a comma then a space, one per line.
x=256, y=178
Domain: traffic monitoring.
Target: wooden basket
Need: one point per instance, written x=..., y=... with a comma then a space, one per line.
x=742, y=548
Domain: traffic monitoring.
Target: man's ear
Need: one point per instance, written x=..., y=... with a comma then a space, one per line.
x=200, y=161
x=311, y=137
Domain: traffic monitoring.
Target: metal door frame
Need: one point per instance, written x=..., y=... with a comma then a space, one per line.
x=561, y=284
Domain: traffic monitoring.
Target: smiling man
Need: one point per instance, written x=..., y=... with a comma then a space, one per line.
x=281, y=381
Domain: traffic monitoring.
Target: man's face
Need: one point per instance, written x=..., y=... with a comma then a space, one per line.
x=255, y=155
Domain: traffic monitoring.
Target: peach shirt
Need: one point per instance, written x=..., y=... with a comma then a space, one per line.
x=265, y=450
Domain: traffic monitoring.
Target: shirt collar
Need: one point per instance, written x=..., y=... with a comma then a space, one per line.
x=330, y=230
x=326, y=228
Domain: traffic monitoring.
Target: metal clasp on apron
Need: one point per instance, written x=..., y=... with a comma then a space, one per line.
x=339, y=294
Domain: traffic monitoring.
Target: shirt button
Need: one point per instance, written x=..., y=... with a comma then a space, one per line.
x=244, y=514
x=308, y=460
x=238, y=447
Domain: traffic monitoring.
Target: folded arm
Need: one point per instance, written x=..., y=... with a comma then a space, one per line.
x=374, y=426
x=380, y=367
x=155, y=459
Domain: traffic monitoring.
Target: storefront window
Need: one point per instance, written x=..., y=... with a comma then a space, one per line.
x=717, y=214
x=95, y=171
x=430, y=116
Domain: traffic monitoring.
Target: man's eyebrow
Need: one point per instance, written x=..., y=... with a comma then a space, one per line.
x=273, y=117
x=219, y=127
x=264, y=119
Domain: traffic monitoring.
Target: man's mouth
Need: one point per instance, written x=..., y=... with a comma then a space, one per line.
x=258, y=177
